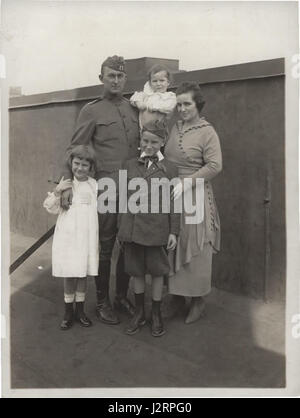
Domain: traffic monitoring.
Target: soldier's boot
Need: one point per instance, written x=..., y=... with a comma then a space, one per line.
x=121, y=302
x=104, y=310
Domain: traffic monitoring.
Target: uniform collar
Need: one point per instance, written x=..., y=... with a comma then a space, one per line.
x=112, y=97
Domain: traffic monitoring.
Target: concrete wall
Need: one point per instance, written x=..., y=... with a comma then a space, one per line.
x=245, y=103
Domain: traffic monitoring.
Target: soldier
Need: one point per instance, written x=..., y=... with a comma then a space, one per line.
x=110, y=125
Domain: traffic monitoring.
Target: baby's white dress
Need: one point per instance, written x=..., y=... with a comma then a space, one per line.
x=159, y=105
x=75, y=248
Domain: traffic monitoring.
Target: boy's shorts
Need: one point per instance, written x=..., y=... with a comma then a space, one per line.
x=141, y=260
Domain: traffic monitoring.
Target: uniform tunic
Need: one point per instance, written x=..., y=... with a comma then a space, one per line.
x=110, y=124
x=196, y=152
x=75, y=251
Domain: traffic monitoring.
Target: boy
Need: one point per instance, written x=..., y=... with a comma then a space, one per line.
x=148, y=236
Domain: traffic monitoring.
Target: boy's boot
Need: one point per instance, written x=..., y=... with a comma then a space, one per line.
x=103, y=308
x=68, y=320
x=157, y=327
x=121, y=302
x=196, y=310
x=138, y=319
x=80, y=315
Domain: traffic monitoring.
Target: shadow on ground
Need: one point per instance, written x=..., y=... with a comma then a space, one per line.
x=218, y=351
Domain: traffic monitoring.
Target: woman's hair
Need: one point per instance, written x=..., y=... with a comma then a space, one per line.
x=192, y=87
x=156, y=69
x=84, y=152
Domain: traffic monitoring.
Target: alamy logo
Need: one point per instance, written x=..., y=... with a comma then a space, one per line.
x=154, y=196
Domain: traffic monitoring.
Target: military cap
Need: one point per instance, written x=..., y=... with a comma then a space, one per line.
x=157, y=128
x=115, y=62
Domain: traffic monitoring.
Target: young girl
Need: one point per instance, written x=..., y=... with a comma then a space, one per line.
x=75, y=242
x=155, y=103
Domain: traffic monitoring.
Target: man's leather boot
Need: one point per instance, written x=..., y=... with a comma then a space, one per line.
x=121, y=302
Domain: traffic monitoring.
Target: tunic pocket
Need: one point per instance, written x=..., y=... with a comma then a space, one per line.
x=106, y=130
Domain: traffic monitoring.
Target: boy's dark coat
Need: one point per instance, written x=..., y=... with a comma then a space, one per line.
x=149, y=229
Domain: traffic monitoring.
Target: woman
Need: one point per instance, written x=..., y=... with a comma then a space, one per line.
x=195, y=148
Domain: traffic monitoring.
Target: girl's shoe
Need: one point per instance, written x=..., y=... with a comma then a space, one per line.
x=157, y=327
x=80, y=315
x=68, y=320
x=196, y=310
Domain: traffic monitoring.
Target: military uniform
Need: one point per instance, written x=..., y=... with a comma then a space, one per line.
x=110, y=125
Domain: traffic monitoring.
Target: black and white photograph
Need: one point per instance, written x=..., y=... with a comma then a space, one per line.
x=150, y=199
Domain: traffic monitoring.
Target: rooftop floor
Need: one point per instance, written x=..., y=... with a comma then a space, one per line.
x=239, y=343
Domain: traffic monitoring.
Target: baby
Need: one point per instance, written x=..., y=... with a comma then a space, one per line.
x=155, y=103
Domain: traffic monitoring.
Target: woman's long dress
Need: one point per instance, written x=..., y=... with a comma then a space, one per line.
x=196, y=152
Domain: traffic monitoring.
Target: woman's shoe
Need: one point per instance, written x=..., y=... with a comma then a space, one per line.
x=138, y=320
x=80, y=315
x=157, y=327
x=196, y=310
x=68, y=320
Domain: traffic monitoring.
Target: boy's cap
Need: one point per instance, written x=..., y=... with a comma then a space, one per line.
x=115, y=62
x=156, y=128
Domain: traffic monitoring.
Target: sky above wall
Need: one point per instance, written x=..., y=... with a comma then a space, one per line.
x=57, y=45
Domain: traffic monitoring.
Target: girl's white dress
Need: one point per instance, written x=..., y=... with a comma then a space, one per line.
x=75, y=250
x=159, y=105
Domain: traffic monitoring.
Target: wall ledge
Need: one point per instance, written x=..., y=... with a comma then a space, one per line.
x=237, y=72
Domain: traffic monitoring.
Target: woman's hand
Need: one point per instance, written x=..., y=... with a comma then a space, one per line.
x=172, y=242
